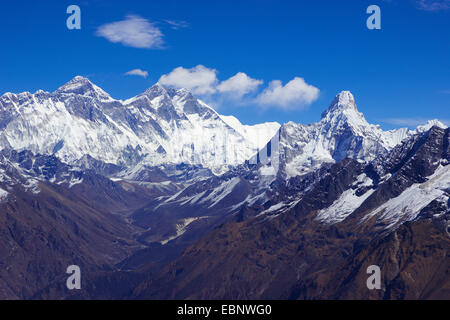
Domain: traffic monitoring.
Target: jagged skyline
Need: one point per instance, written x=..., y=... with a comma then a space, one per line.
x=288, y=69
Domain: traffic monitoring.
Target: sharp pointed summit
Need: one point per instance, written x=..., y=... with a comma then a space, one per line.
x=77, y=82
x=83, y=86
x=156, y=90
x=343, y=101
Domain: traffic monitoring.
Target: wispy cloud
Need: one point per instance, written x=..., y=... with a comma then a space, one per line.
x=137, y=72
x=177, y=24
x=134, y=31
x=433, y=5
x=242, y=89
x=411, y=122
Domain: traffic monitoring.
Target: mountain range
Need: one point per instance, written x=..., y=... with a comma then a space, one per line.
x=161, y=197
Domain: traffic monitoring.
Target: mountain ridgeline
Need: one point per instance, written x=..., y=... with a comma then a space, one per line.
x=161, y=197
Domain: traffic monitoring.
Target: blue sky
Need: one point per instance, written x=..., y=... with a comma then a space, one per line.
x=260, y=60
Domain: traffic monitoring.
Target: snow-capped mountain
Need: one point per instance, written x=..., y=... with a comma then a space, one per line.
x=343, y=132
x=127, y=186
x=393, y=212
x=306, y=154
x=160, y=126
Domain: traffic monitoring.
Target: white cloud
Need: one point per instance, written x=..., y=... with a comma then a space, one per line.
x=137, y=72
x=433, y=5
x=177, y=24
x=203, y=81
x=239, y=84
x=134, y=31
x=200, y=79
x=295, y=94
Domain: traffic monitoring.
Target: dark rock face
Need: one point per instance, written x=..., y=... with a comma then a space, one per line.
x=44, y=234
x=293, y=256
x=56, y=224
x=408, y=164
x=414, y=263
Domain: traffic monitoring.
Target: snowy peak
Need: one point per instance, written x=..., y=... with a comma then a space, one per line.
x=181, y=101
x=343, y=132
x=83, y=86
x=78, y=85
x=343, y=115
x=155, y=91
x=430, y=124
x=162, y=125
x=158, y=90
x=345, y=98
x=344, y=101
